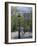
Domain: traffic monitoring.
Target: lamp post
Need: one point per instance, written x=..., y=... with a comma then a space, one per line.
x=19, y=26
x=24, y=22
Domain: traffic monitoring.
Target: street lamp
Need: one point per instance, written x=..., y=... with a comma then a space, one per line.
x=19, y=25
x=24, y=22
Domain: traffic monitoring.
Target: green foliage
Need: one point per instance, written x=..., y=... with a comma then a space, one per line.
x=15, y=20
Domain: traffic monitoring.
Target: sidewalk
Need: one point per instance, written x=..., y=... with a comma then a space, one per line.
x=14, y=35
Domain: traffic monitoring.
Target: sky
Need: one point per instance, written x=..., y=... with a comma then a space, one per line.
x=24, y=9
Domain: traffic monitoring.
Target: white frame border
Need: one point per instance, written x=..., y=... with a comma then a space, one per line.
x=9, y=20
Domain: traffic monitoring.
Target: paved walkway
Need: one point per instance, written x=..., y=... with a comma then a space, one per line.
x=14, y=35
